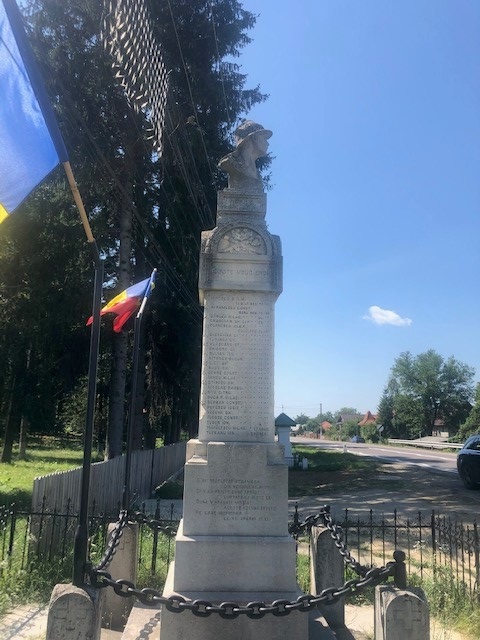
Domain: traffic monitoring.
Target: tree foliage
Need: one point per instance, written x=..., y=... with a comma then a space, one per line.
x=423, y=389
x=145, y=212
x=471, y=425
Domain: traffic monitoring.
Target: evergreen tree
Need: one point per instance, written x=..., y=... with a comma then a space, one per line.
x=144, y=212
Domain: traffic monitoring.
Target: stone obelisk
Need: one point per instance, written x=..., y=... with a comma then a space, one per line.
x=233, y=543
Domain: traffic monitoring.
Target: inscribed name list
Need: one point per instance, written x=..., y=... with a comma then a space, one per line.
x=237, y=374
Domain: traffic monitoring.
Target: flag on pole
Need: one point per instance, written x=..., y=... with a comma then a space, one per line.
x=126, y=303
x=31, y=145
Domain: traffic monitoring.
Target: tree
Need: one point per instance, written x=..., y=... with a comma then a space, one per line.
x=144, y=212
x=347, y=411
x=423, y=389
x=302, y=419
x=385, y=411
x=471, y=425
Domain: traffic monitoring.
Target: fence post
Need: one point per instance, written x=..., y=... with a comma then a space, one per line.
x=477, y=553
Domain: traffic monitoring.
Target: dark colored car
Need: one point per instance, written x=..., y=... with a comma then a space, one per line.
x=357, y=439
x=468, y=462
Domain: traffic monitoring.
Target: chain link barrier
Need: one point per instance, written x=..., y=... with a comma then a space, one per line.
x=368, y=576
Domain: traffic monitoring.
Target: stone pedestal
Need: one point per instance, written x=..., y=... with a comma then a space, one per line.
x=233, y=543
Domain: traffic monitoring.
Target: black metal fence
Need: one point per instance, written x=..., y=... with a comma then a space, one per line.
x=433, y=543
x=28, y=537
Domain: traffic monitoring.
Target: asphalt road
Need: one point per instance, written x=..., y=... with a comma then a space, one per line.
x=436, y=461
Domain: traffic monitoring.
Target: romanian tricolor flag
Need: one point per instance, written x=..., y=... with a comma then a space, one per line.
x=30, y=142
x=126, y=303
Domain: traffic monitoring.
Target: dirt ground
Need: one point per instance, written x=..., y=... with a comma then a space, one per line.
x=406, y=488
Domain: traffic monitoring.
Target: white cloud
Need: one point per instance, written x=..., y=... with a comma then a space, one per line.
x=385, y=316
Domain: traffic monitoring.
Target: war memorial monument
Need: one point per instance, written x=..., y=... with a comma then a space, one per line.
x=233, y=544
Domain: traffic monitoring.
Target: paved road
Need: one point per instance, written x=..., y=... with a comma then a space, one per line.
x=431, y=460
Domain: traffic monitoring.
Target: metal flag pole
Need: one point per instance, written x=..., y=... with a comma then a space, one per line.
x=80, y=545
x=134, y=391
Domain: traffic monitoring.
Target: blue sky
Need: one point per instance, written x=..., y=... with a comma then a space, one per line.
x=375, y=111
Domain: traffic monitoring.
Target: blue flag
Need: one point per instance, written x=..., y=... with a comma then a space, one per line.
x=31, y=145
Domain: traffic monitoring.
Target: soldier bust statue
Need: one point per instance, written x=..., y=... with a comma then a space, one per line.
x=252, y=143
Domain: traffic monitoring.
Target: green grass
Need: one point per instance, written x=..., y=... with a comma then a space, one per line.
x=330, y=470
x=16, y=478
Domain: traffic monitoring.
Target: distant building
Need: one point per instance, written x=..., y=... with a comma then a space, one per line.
x=368, y=418
x=360, y=419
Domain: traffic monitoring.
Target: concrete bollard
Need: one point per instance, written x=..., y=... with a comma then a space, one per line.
x=401, y=614
x=123, y=566
x=74, y=613
x=326, y=570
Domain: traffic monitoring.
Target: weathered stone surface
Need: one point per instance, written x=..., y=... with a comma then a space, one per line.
x=74, y=613
x=186, y=626
x=327, y=570
x=234, y=563
x=236, y=402
x=401, y=614
x=122, y=566
x=236, y=489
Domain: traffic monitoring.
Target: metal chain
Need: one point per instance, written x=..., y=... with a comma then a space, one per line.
x=231, y=610
x=336, y=533
x=369, y=576
x=158, y=525
x=114, y=541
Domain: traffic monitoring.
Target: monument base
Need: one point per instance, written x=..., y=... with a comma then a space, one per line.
x=187, y=626
x=230, y=563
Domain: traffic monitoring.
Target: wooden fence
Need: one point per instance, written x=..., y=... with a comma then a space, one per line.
x=149, y=469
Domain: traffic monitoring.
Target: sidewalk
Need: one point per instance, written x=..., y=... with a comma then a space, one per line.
x=29, y=622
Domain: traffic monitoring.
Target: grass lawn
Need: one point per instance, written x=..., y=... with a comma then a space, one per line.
x=329, y=471
x=16, y=478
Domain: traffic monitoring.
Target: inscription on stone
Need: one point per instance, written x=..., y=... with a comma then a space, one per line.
x=231, y=272
x=241, y=500
x=237, y=376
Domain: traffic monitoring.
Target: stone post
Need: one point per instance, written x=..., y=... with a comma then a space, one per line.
x=327, y=570
x=123, y=565
x=401, y=614
x=74, y=613
x=233, y=543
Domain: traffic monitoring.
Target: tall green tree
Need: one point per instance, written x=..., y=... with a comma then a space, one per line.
x=144, y=212
x=425, y=388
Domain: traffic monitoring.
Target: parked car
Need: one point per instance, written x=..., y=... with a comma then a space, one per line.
x=357, y=439
x=468, y=462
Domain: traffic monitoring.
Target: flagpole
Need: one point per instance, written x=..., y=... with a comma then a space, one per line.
x=80, y=546
x=133, y=395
